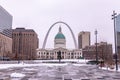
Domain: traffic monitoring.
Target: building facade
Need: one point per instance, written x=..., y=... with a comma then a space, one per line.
x=53, y=53
x=83, y=39
x=118, y=35
x=59, y=46
x=25, y=43
x=118, y=45
x=5, y=33
x=5, y=22
x=5, y=46
x=104, y=51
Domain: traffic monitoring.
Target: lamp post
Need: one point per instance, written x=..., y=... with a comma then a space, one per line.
x=115, y=36
x=96, y=32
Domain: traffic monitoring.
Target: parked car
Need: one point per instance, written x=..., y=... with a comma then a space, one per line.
x=93, y=62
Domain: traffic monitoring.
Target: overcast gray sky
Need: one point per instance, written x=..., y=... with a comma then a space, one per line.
x=81, y=15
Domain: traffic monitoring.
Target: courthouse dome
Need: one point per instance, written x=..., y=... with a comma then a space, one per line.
x=60, y=40
x=60, y=35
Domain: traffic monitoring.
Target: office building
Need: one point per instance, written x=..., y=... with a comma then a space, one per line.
x=5, y=33
x=25, y=43
x=5, y=22
x=118, y=35
x=83, y=39
x=104, y=52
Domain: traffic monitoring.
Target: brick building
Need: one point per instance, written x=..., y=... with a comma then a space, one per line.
x=5, y=46
x=104, y=51
x=25, y=43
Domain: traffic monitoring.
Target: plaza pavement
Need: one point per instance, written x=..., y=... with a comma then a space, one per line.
x=63, y=71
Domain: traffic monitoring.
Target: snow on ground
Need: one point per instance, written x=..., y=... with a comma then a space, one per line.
x=5, y=66
x=78, y=62
x=22, y=64
x=30, y=69
x=64, y=60
x=109, y=69
x=17, y=75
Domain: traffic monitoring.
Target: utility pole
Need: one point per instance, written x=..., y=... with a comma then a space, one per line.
x=114, y=16
x=96, y=32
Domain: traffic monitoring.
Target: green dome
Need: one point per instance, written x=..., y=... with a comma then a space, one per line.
x=59, y=36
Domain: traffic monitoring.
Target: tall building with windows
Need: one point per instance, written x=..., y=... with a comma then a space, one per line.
x=25, y=43
x=104, y=51
x=118, y=35
x=5, y=33
x=83, y=39
x=5, y=22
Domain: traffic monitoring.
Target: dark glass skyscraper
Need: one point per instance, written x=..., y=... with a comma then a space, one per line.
x=5, y=22
x=5, y=33
x=118, y=23
x=118, y=35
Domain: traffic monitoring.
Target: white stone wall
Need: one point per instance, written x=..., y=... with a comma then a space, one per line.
x=65, y=53
x=60, y=43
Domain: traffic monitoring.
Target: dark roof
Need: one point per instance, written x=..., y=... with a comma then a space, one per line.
x=23, y=30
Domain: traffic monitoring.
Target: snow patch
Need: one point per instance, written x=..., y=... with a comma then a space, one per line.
x=78, y=62
x=30, y=69
x=109, y=69
x=17, y=75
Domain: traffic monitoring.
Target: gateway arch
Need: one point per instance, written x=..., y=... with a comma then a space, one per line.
x=73, y=36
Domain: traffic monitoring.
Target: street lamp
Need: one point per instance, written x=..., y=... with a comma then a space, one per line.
x=115, y=36
x=96, y=32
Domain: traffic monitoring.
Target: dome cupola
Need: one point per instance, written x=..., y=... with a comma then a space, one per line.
x=60, y=34
x=60, y=40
